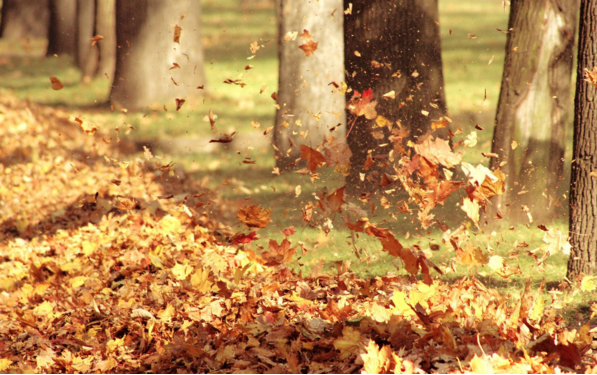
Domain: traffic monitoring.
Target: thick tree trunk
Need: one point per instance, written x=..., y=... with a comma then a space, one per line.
x=391, y=45
x=87, y=55
x=106, y=26
x=146, y=52
x=309, y=103
x=62, y=29
x=24, y=19
x=583, y=189
x=533, y=106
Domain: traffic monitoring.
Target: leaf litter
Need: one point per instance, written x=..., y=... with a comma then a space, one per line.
x=98, y=276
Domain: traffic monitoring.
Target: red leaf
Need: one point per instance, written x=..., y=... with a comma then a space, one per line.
x=289, y=231
x=242, y=238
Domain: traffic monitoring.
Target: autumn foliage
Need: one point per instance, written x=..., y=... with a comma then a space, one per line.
x=109, y=263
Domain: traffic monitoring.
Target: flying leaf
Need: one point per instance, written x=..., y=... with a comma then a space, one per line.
x=314, y=158
x=177, y=33
x=56, y=84
x=254, y=216
x=95, y=39
x=438, y=151
x=242, y=238
x=179, y=103
x=308, y=46
x=278, y=254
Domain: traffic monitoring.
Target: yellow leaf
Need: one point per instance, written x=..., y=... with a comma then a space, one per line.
x=45, y=358
x=472, y=209
x=181, y=271
x=5, y=364
x=348, y=343
x=113, y=344
x=88, y=247
x=480, y=366
x=200, y=280
x=399, y=300
x=44, y=309
x=588, y=284
x=167, y=313
x=382, y=122
x=76, y=282
x=536, y=312
x=170, y=224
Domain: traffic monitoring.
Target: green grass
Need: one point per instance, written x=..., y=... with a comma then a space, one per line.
x=472, y=89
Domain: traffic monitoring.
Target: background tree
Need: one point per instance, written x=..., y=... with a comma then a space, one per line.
x=391, y=46
x=583, y=189
x=147, y=50
x=309, y=103
x=533, y=105
x=24, y=19
x=96, y=17
x=61, y=32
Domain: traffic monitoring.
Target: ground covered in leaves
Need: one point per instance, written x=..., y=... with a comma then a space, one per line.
x=110, y=262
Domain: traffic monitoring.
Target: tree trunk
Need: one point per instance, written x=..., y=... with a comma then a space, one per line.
x=391, y=45
x=310, y=106
x=61, y=32
x=533, y=106
x=146, y=52
x=87, y=55
x=24, y=19
x=106, y=26
x=583, y=189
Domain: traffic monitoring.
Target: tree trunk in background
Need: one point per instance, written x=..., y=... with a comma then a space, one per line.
x=24, y=19
x=106, y=26
x=146, y=51
x=533, y=106
x=62, y=29
x=381, y=38
x=583, y=189
x=87, y=55
x=309, y=107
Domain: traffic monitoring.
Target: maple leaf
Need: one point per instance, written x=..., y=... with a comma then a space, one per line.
x=289, y=231
x=254, y=216
x=333, y=202
x=308, y=46
x=278, y=254
x=314, y=158
x=377, y=361
x=438, y=151
x=337, y=153
x=363, y=105
x=56, y=84
x=242, y=238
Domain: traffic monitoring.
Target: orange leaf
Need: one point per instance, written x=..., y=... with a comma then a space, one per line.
x=254, y=216
x=278, y=254
x=309, y=46
x=314, y=158
x=56, y=84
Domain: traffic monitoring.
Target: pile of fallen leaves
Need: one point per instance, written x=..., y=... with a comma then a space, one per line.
x=108, y=263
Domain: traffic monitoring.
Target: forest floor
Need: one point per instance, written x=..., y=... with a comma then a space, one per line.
x=472, y=74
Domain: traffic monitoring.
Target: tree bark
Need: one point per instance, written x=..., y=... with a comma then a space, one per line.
x=62, y=28
x=583, y=189
x=105, y=26
x=24, y=19
x=391, y=45
x=146, y=51
x=533, y=106
x=311, y=108
x=87, y=55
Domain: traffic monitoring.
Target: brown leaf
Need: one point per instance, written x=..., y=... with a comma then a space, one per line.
x=278, y=254
x=56, y=84
x=254, y=216
x=438, y=152
x=179, y=103
x=177, y=33
x=314, y=158
x=308, y=46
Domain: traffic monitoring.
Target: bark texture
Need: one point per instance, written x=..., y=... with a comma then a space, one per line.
x=87, y=55
x=62, y=29
x=309, y=106
x=24, y=19
x=105, y=25
x=583, y=189
x=391, y=45
x=146, y=51
x=533, y=106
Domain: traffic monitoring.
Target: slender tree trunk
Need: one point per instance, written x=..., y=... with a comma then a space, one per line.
x=87, y=55
x=391, y=46
x=146, y=52
x=533, y=105
x=583, y=189
x=309, y=97
x=24, y=19
x=62, y=29
x=106, y=26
